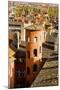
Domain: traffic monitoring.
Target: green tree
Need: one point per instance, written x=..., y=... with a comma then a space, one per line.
x=53, y=12
x=17, y=10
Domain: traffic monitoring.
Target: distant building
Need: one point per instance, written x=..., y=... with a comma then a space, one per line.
x=15, y=27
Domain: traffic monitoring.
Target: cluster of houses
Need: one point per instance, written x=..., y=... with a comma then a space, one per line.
x=26, y=37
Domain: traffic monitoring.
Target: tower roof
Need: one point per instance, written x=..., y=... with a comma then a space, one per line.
x=35, y=27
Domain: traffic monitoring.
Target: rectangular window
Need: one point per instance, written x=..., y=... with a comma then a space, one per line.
x=19, y=74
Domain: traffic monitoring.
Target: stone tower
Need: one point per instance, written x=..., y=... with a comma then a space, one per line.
x=34, y=39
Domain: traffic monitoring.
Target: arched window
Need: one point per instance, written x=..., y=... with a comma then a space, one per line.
x=35, y=39
x=35, y=52
x=40, y=49
x=28, y=70
x=34, y=68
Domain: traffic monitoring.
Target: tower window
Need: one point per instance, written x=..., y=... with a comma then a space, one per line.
x=35, y=39
x=40, y=49
x=28, y=70
x=34, y=67
x=35, y=52
x=44, y=35
x=27, y=39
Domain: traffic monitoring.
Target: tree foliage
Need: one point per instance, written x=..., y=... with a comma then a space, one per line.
x=53, y=12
